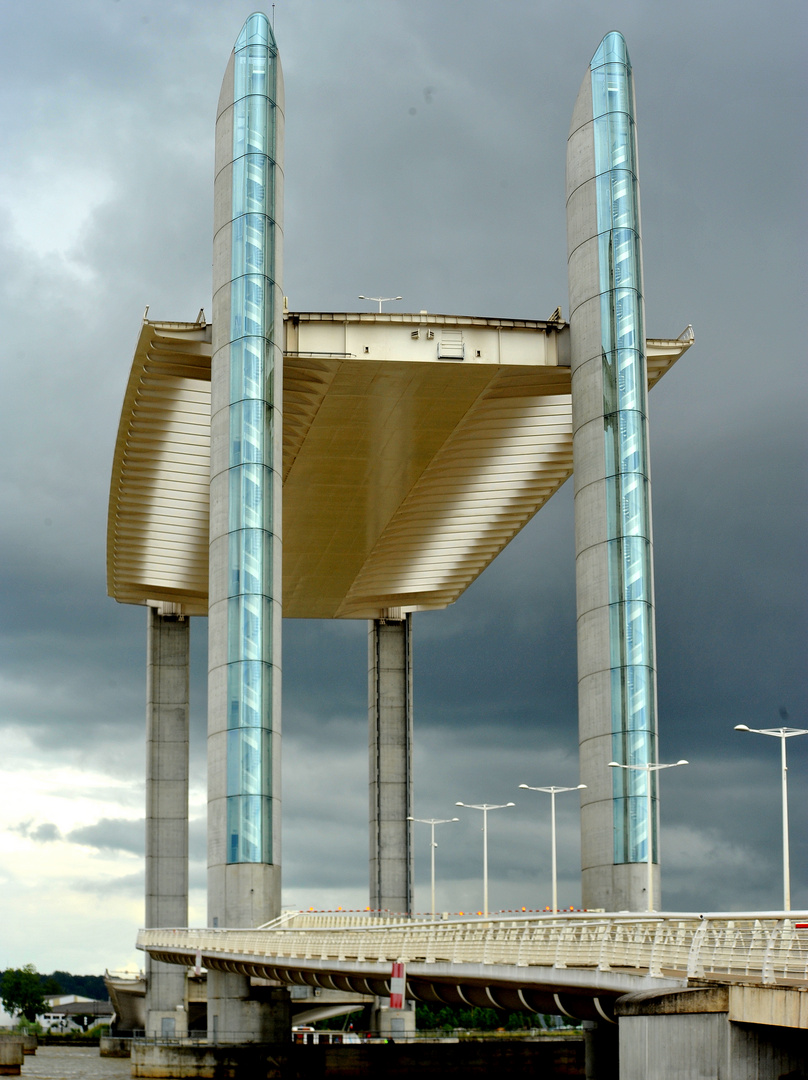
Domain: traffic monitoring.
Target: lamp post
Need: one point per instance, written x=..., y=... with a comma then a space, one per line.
x=380, y=300
x=782, y=733
x=485, y=807
x=553, y=791
x=648, y=769
x=432, y=822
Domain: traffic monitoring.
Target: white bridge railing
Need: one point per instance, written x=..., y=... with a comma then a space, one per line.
x=763, y=948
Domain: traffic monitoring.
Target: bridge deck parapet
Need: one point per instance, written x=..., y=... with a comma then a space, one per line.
x=765, y=948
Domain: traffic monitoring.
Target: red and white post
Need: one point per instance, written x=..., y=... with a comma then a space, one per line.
x=398, y=986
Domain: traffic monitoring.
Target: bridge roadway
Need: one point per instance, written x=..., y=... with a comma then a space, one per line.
x=575, y=964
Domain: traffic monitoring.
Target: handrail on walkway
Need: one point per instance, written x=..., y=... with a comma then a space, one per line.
x=765, y=947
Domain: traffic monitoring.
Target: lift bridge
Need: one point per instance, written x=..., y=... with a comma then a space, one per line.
x=346, y=465
x=576, y=964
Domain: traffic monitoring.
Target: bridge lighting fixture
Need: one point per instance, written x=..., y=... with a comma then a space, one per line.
x=782, y=733
x=649, y=845
x=485, y=807
x=553, y=791
x=432, y=822
x=380, y=299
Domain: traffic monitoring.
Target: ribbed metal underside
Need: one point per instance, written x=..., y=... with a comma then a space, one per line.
x=402, y=479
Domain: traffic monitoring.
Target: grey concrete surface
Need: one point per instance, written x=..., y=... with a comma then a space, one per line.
x=681, y=1034
x=390, y=766
x=167, y=715
x=243, y=894
x=606, y=884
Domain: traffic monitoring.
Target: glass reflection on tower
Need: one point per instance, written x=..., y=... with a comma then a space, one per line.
x=625, y=382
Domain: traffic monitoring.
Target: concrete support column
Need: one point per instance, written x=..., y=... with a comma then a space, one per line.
x=241, y=1013
x=601, y=1050
x=245, y=583
x=613, y=541
x=390, y=745
x=390, y=1023
x=168, y=638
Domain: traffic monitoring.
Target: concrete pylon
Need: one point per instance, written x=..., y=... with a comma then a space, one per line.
x=167, y=669
x=613, y=542
x=390, y=747
x=245, y=583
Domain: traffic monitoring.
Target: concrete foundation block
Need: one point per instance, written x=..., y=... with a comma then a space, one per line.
x=432, y=1061
x=690, y=1033
x=30, y=1044
x=11, y=1055
x=240, y=1013
x=171, y=1023
x=114, y=1047
x=392, y=1023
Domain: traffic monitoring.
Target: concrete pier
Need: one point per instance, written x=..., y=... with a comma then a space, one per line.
x=241, y=1013
x=245, y=583
x=396, y=1061
x=737, y=1032
x=167, y=713
x=11, y=1055
x=613, y=559
x=390, y=747
x=601, y=1050
x=113, y=1046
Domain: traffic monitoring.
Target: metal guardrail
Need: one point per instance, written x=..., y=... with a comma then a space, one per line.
x=353, y=1038
x=767, y=948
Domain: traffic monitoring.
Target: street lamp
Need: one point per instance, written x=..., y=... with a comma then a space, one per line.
x=485, y=807
x=433, y=822
x=380, y=299
x=782, y=733
x=648, y=769
x=553, y=791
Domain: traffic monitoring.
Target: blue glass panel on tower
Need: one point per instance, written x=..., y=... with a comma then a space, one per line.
x=249, y=504
x=625, y=381
x=253, y=424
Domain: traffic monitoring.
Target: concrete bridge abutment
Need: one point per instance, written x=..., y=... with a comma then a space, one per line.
x=729, y=1032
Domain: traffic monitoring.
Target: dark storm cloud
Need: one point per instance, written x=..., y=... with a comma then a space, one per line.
x=111, y=834
x=40, y=834
x=729, y=556
x=723, y=820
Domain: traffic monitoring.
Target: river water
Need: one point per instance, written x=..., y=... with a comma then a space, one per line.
x=73, y=1063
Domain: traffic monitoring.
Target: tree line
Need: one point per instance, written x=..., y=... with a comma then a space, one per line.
x=23, y=990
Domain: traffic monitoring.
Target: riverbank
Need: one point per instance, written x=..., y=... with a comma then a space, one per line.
x=68, y=1040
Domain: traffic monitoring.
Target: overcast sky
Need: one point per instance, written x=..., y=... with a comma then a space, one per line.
x=425, y=150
